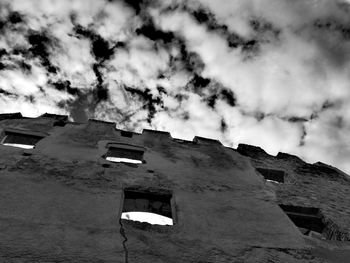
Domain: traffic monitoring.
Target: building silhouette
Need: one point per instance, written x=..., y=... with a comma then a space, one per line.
x=68, y=191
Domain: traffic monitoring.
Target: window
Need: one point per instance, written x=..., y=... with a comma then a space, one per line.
x=276, y=176
x=126, y=134
x=19, y=139
x=59, y=123
x=149, y=207
x=124, y=153
x=307, y=219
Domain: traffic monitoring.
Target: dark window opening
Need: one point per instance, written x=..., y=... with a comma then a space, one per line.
x=126, y=134
x=150, y=207
x=127, y=155
x=307, y=219
x=26, y=141
x=272, y=175
x=59, y=123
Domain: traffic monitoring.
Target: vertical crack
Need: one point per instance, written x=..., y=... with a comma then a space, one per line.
x=122, y=232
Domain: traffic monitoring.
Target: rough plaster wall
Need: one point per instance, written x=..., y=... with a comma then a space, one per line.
x=60, y=204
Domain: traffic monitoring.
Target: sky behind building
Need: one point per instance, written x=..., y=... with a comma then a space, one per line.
x=272, y=73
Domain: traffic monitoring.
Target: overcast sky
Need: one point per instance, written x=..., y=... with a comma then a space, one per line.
x=271, y=73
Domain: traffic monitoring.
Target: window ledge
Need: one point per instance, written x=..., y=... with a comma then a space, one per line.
x=26, y=132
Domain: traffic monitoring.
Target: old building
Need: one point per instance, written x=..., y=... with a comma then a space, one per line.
x=66, y=189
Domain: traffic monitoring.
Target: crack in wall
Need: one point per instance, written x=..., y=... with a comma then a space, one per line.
x=122, y=232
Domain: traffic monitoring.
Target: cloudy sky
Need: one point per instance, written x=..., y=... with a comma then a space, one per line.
x=272, y=73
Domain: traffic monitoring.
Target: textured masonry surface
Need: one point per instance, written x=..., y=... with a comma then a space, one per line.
x=62, y=201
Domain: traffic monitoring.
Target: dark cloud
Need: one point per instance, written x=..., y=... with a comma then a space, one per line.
x=199, y=81
x=8, y=94
x=228, y=96
x=30, y=98
x=65, y=85
x=303, y=136
x=223, y=125
x=3, y=52
x=206, y=17
x=327, y=105
x=161, y=90
x=180, y=97
x=185, y=60
x=11, y=20
x=10, y=62
x=332, y=36
x=211, y=101
x=234, y=40
x=211, y=91
x=150, y=102
x=41, y=43
x=100, y=47
x=216, y=93
x=295, y=119
x=25, y=67
x=15, y=18
x=334, y=26
x=101, y=90
x=103, y=51
x=185, y=115
x=197, y=84
x=221, y=94
x=149, y=30
x=136, y=5
x=192, y=61
x=258, y=115
x=262, y=27
x=265, y=32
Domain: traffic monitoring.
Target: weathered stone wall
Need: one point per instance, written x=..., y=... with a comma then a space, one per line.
x=310, y=185
x=61, y=202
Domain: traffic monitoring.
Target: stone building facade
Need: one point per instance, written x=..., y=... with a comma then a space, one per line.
x=62, y=199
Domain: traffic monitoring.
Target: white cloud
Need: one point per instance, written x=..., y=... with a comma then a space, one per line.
x=292, y=75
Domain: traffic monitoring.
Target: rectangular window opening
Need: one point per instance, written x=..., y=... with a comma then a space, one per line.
x=150, y=207
x=59, y=123
x=126, y=134
x=25, y=141
x=307, y=219
x=125, y=155
x=272, y=175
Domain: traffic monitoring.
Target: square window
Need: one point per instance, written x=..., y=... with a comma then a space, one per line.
x=150, y=207
x=307, y=219
x=26, y=141
x=276, y=176
x=122, y=154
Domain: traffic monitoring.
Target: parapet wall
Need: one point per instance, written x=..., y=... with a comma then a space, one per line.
x=94, y=130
